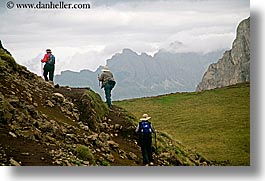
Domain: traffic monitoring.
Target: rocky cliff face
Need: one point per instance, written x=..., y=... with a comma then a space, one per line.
x=234, y=66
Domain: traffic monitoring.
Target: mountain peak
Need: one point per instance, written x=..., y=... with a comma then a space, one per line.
x=128, y=51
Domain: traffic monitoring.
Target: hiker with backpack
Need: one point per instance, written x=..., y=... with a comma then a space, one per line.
x=108, y=83
x=144, y=130
x=49, y=61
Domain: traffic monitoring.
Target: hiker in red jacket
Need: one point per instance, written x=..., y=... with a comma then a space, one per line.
x=49, y=61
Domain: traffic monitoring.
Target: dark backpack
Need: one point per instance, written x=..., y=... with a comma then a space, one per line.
x=145, y=128
x=51, y=59
x=112, y=83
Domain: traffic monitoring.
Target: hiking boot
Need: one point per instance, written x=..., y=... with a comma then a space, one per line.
x=57, y=86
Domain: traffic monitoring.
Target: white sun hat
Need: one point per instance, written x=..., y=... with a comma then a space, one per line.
x=105, y=69
x=145, y=117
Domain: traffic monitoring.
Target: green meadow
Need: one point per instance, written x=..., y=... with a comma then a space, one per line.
x=216, y=123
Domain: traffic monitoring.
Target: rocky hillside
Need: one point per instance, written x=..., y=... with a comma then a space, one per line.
x=234, y=66
x=44, y=125
x=141, y=75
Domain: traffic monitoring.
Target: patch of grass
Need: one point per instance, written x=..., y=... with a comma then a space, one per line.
x=93, y=110
x=96, y=103
x=2, y=64
x=4, y=57
x=104, y=163
x=84, y=153
x=216, y=123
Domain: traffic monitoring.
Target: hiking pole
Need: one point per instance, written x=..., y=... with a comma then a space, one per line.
x=98, y=81
x=156, y=150
x=41, y=69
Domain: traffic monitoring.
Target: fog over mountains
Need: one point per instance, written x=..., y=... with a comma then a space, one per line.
x=142, y=75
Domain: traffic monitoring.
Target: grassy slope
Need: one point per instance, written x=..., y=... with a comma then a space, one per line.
x=216, y=123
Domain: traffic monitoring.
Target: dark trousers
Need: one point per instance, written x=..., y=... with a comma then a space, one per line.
x=108, y=87
x=146, y=147
x=48, y=69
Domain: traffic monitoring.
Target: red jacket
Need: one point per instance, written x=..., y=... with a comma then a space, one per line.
x=45, y=58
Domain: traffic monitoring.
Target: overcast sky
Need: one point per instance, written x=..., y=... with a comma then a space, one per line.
x=85, y=39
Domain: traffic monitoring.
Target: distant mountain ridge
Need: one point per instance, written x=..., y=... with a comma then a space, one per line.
x=234, y=66
x=141, y=75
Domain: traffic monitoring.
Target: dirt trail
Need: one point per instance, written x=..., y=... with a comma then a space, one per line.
x=126, y=140
x=25, y=151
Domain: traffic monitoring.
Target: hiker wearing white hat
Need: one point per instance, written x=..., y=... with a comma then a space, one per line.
x=108, y=83
x=145, y=117
x=145, y=130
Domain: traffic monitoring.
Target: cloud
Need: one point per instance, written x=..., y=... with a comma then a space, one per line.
x=86, y=38
x=204, y=39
